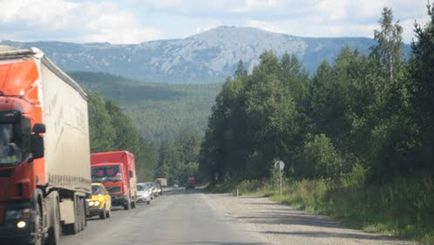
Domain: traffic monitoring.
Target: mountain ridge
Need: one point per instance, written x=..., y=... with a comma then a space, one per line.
x=209, y=56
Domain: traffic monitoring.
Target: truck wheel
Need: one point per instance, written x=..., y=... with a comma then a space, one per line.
x=54, y=231
x=103, y=214
x=79, y=221
x=82, y=214
x=127, y=205
x=85, y=214
x=38, y=224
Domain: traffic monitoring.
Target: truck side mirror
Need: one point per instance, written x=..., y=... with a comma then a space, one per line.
x=37, y=146
x=38, y=128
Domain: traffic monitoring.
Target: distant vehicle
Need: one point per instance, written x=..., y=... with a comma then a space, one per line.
x=162, y=182
x=44, y=149
x=159, y=189
x=191, y=183
x=144, y=193
x=155, y=191
x=100, y=203
x=117, y=172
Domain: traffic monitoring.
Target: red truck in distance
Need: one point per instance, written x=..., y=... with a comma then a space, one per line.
x=191, y=183
x=116, y=170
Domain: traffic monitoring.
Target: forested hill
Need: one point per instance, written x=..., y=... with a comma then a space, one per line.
x=202, y=58
x=159, y=110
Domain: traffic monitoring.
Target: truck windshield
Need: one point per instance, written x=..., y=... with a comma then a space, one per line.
x=10, y=151
x=103, y=173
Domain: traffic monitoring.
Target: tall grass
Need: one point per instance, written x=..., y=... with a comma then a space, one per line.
x=404, y=207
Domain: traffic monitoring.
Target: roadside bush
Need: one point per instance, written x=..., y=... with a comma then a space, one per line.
x=321, y=157
x=305, y=194
x=355, y=178
x=247, y=186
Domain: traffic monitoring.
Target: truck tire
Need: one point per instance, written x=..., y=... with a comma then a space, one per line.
x=54, y=231
x=85, y=214
x=82, y=213
x=38, y=224
x=127, y=205
x=103, y=214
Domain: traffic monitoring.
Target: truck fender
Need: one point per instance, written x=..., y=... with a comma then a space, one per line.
x=67, y=211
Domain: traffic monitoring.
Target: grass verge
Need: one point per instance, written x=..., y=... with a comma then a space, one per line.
x=404, y=208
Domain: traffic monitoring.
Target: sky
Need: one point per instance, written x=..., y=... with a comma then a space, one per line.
x=135, y=21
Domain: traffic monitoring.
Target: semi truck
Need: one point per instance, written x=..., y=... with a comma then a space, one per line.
x=116, y=170
x=44, y=149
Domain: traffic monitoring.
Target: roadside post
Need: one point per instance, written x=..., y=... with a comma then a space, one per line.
x=279, y=165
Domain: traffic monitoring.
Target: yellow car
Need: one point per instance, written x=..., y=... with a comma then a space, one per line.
x=100, y=203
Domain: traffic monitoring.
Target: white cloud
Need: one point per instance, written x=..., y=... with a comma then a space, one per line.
x=254, y=4
x=265, y=26
x=333, y=9
x=92, y=21
x=123, y=21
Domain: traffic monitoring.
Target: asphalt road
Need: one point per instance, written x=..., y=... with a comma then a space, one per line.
x=177, y=218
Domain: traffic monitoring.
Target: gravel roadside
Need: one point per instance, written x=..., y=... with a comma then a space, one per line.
x=281, y=224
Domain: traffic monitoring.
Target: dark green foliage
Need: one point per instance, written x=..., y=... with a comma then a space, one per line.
x=101, y=129
x=111, y=129
x=421, y=91
x=254, y=120
x=160, y=111
x=178, y=157
x=161, y=124
x=321, y=154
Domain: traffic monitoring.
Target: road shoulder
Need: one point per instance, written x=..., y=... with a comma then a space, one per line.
x=281, y=224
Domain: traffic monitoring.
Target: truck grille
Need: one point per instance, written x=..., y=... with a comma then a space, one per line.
x=114, y=189
x=5, y=173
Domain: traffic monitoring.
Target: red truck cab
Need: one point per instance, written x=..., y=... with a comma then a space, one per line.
x=116, y=171
x=191, y=183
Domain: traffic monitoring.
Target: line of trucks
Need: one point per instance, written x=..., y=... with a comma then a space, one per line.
x=46, y=168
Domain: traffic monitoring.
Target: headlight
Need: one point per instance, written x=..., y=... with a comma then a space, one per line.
x=91, y=203
x=18, y=214
x=96, y=203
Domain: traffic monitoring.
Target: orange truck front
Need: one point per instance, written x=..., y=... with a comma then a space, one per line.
x=117, y=172
x=44, y=149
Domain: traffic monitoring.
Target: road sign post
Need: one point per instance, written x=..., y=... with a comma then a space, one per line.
x=279, y=165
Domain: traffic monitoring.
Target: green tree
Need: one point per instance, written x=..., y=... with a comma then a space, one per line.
x=111, y=129
x=321, y=157
x=102, y=134
x=241, y=71
x=422, y=94
x=388, y=50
